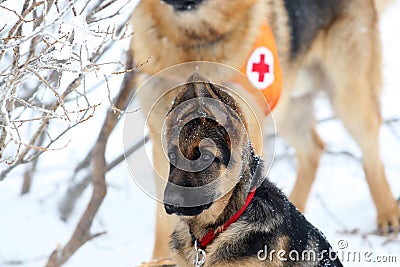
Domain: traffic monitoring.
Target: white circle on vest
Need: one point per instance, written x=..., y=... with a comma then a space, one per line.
x=260, y=68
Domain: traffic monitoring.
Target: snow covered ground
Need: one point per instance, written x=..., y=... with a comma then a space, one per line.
x=30, y=228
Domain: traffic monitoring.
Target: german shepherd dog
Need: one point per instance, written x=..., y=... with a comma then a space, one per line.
x=268, y=222
x=330, y=45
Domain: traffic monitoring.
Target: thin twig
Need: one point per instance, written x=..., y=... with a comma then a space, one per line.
x=331, y=214
x=343, y=153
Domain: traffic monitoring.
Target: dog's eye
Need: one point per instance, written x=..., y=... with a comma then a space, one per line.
x=172, y=158
x=207, y=157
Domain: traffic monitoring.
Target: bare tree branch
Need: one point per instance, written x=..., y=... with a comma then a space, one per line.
x=30, y=171
x=45, y=60
x=67, y=203
x=49, y=49
x=99, y=169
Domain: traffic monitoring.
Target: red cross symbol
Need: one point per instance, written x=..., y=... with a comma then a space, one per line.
x=262, y=68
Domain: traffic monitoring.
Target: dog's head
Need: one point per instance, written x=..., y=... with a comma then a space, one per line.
x=206, y=139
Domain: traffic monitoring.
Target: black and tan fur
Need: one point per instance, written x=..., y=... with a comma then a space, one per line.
x=270, y=221
x=332, y=45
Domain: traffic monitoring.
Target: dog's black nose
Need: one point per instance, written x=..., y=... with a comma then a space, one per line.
x=170, y=209
x=184, y=5
x=172, y=199
x=180, y=203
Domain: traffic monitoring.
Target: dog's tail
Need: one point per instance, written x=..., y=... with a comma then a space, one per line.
x=382, y=5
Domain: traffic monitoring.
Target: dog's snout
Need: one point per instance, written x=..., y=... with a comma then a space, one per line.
x=180, y=203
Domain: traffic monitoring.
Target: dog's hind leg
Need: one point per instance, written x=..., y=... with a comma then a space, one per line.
x=295, y=121
x=354, y=65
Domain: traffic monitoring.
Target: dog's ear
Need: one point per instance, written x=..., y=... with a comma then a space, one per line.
x=200, y=86
x=196, y=86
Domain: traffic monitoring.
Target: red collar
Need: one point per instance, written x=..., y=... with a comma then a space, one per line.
x=209, y=237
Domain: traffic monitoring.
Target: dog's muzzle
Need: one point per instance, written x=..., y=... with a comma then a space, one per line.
x=184, y=5
x=181, y=203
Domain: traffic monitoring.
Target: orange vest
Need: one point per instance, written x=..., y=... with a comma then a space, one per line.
x=263, y=70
